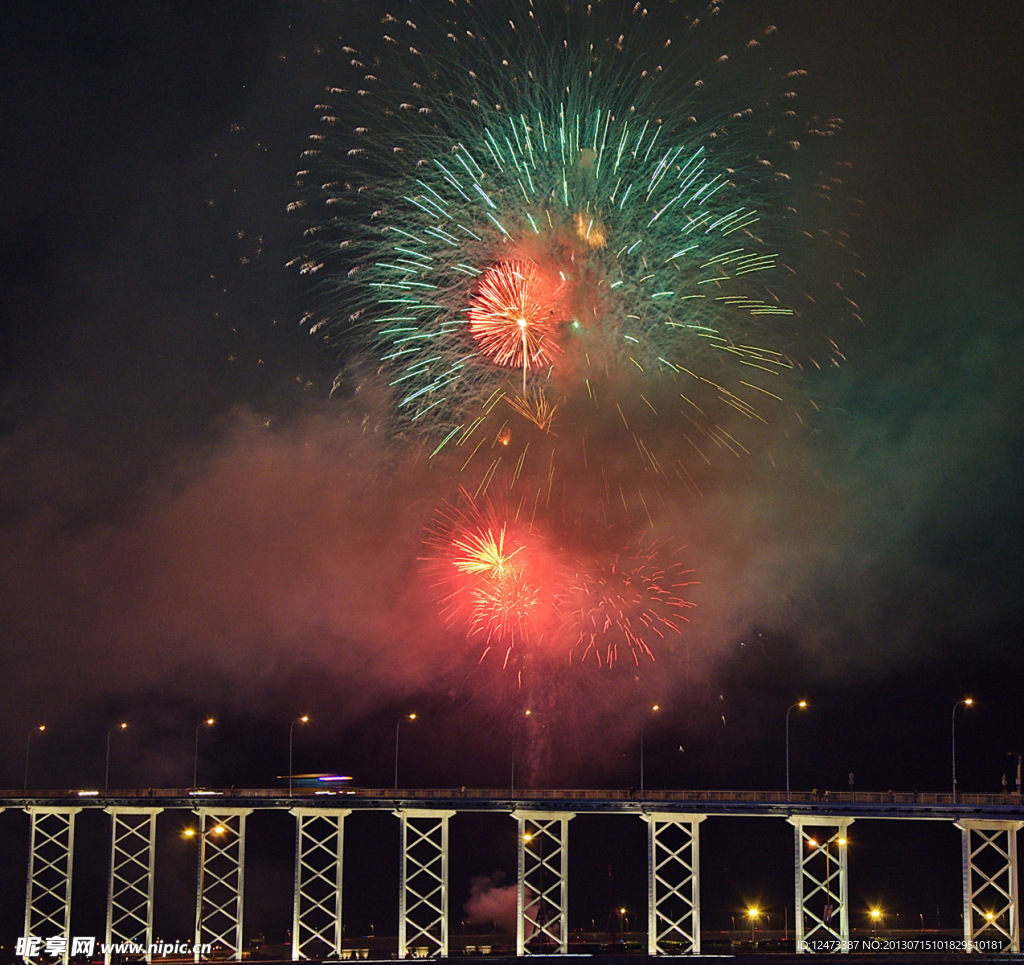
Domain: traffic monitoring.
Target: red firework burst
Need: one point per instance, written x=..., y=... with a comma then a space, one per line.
x=494, y=572
x=628, y=601
x=514, y=316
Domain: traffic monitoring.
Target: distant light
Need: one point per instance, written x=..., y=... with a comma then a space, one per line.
x=188, y=833
x=841, y=842
x=210, y=721
x=876, y=913
x=42, y=727
x=334, y=777
x=527, y=836
x=655, y=707
x=219, y=829
x=969, y=701
x=88, y=793
x=124, y=725
x=802, y=703
x=753, y=912
x=304, y=719
x=412, y=717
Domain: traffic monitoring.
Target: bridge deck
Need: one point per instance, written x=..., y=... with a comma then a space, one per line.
x=860, y=804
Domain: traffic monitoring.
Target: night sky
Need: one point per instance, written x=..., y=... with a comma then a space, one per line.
x=191, y=524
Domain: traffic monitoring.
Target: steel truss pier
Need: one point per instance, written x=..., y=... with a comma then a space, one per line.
x=48, y=896
x=542, y=886
x=316, y=912
x=673, y=883
x=130, y=888
x=423, y=889
x=822, y=893
x=221, y=879
x=991, y=909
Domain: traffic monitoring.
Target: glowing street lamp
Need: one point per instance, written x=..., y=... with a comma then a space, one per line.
x=966, y=702
x=41, y=729
x=304, y=719
x=209, y=722
x=753, y=913
x=398, y=727
x=798, y=705
x=106, y=774
x=877, y=918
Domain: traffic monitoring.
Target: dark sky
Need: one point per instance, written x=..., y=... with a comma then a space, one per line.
x=190, y=524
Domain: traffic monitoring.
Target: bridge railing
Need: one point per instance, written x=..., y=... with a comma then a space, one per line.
x=530, y=794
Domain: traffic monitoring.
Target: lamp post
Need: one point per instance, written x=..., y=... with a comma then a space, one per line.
x=752, y=914
x=209, y=722
x=41, y=729
x=801, y=704
x=876, y=918
x=967, y=702
x=106, y=774
x=643, y=720
x=512, y=780
x=398, y=727
x=304, y=719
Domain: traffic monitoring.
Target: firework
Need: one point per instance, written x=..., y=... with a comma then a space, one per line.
x=495, y=575
x=576, y=217
x=628, y=603
x=577, y=262
x=519, y=590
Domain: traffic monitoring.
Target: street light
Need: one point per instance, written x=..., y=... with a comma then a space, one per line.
x=398, y=727
x=752, y=913
x=41, y=729
x=106, y=774
x=643, y=720
x=515, y=722
x=304, y=719
x=209, y=722
x=801, y=704
x=967, y=702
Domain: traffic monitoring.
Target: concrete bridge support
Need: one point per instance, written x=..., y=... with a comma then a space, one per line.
x=542, y=889
x=673, y=883
x=423, y=890
x=48, y=896
x=130, y=885
x=220, y=886
x=991, y=896
x=316, y=900
x=822, y=891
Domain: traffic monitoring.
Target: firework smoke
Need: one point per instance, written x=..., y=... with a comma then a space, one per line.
x=578, y=273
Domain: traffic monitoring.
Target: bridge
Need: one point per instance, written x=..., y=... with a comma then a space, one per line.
x=988, y=824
